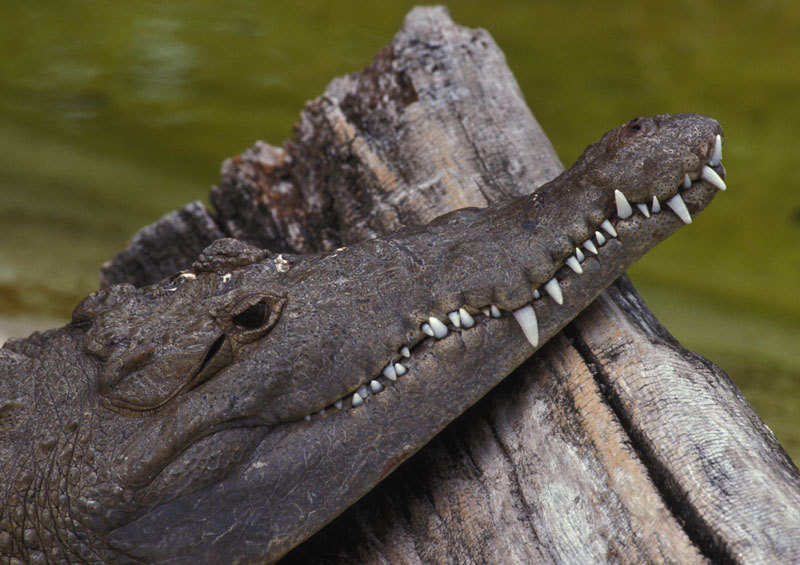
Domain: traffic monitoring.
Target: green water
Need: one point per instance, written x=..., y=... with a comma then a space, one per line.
x=112, y=114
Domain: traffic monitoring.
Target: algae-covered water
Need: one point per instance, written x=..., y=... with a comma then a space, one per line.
x=112, y=114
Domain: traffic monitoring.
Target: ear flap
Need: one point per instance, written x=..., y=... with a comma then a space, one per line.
x=227, y=254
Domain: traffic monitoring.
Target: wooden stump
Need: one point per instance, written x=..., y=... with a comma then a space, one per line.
x=613, y=443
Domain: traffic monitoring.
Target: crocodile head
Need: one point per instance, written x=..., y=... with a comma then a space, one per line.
x=241, y=405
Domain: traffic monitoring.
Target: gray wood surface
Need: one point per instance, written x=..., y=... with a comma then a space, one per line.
x=613, y=443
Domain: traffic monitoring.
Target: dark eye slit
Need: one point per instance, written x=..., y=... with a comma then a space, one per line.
x=252, y=318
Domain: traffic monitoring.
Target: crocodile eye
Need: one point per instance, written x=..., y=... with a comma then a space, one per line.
x=252, y=318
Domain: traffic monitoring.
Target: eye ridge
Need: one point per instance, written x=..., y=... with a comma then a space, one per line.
x=253, y=317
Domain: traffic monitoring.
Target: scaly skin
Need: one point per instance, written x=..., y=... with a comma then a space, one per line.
x=212, y=416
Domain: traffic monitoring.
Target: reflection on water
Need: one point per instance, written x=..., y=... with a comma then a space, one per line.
x=112, y=114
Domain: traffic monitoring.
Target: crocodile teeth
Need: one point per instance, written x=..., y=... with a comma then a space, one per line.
x=623, y=207
x=554, y=290
x=679, y=207
x=536, y=294
x=656, y=205
x=526, y=318
x=466, y=320
x=455, y=318
x=438, y=328
x=716, y=156
x=389, y=372
x=711, y=176
x=606, y=225
x=307, y=417
x=601, y=239
x=574, y=264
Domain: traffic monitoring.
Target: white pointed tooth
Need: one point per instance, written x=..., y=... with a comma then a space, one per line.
x=589, y=244
x=601, y=239
x=307, y=417
x=687, y=182
x=526, y=318
x=467, y=321
x=579, y=254
x=643, y=209
x=495, y=311
x=455, y=319
x=623, y=207
x=363, y=391
x=375, y=386
x=679, y=207
x=716, y=156
x=554, y=290
x=400, y=369
x=438, y=327
x=426, y=329
x=485, y=312
x=656, y=207
x=405, y=352
x=606, y=225
x=321, y=412
x=338, y=404
x=574, y=264
x=536, y=294
x=357, y=400
x=389, y=372
x=711, y=176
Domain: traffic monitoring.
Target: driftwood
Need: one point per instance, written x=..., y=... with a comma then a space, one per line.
x=613, y=443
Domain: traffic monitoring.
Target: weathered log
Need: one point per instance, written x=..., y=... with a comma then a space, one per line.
x=612, y=444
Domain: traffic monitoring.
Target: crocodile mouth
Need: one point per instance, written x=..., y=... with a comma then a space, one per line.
x=437, y=344
x=468, y=317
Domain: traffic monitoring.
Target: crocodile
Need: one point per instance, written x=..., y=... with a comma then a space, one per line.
x=233, y=409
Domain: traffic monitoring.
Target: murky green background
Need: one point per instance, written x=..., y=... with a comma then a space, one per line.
x=112, y=114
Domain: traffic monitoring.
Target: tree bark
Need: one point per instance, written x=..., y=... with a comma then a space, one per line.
x=613, y=443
